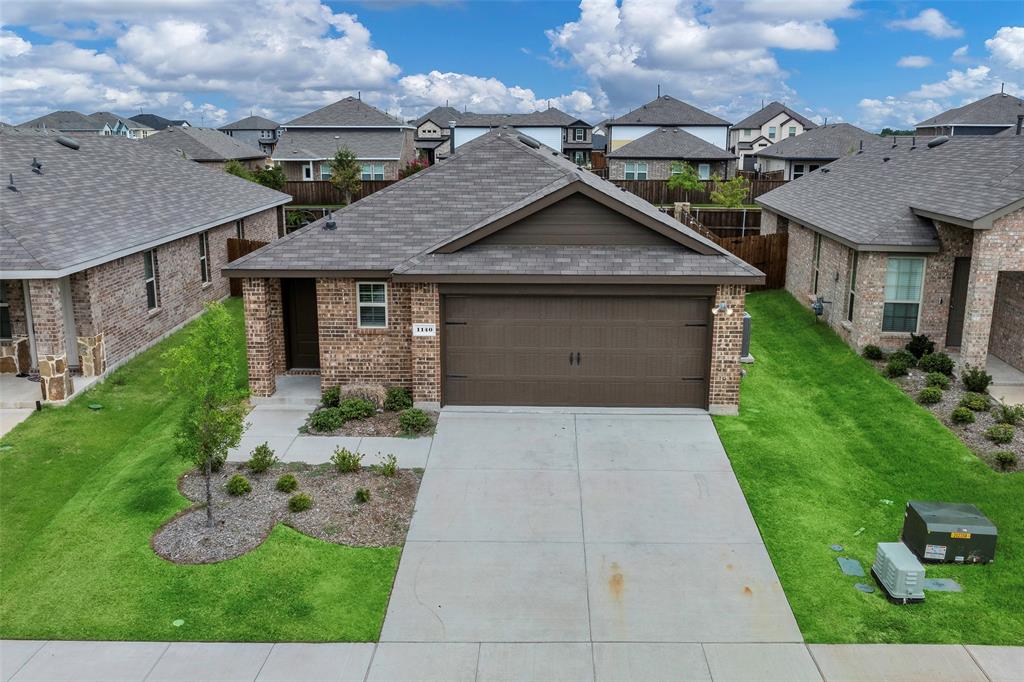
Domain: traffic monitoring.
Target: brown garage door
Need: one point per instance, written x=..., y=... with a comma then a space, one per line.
x=616, y=351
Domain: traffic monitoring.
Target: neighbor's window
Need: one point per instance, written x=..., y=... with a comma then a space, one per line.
x=204, y=257
x=373, y=304
x=5, y=312
x=746, y=132
x=307, y=171
x=325, y=171
x=704, y=171
x=579, y=134
x=852, y=298
x=792, y=131
x=636, y=170
x=372, y=171
x=817, y=260
x=798, y=170
x=904, y=278
x=771, y=132
x=152, y=272
x=580, y=158
x=240, y=228
x=266, y=134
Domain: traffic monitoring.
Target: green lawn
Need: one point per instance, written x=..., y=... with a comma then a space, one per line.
x=821, y=440
x=82, y=492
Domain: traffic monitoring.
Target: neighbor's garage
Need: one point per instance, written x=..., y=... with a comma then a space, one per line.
x=584, y=350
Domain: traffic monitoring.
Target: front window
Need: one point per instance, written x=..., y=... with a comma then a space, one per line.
x=204, y=257
x=372, y=171
x=636, y=170
x=266, y=134
x=852, y=298
x=373, y=304
x=798, y=170
x=817, y=260
x=704, y=171
x=579, y=134
x=904, y=279
x=5, y=312
x=152, y=274
x=579, y=158
x=325, y=171
x=771, y=132
x=792, y=131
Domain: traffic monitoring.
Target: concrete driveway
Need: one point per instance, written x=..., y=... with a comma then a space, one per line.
x=620, y=528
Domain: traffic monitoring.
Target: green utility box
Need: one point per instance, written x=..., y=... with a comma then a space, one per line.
x=945, y=532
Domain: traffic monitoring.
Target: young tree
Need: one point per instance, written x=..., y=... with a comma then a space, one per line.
x=685, y=177
x=235, y=168
x=731, y=193
x=203, y=370
x=346, y=173
x=271, y=176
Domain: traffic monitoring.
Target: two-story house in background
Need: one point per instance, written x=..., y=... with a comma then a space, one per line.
x=990, y=115
x=551, y=127
x=764, y=128
x=433, y=137
x=256, y=131
x=666, y=112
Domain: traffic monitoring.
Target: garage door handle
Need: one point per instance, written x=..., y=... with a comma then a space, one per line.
x=455, y=323
x=456, y=376
x=577, y=359
x=570, y=358
x=696, y=324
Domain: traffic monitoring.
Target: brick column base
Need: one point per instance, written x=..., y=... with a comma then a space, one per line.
x=726, y=345
x=259, y=342
x=425, y=304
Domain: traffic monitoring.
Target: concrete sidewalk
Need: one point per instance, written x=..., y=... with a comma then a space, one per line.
x=25, y=661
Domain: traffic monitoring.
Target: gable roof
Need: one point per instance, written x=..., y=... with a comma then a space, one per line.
x=824, y=142
x=670, y=143
x=883, y=198
x=298, y=144
x=997, y=109
x=112, y=119
x=68, y=218
x=441, y=116
x=67, y=121
x=157, y=122
x=252, y=123
x=546, y=118
x=413, y=227
x=202, y=144
x=668, y=111
x=347, y=113
x=770, y=111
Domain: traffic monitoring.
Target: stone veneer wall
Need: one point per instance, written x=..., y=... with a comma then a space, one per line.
x=661, y=169
x=48, y=327
x=1007, y=339
x=726, y=345
x=15, y=356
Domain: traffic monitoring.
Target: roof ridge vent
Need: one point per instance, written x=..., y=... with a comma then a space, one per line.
x=936, y=141
x=69, y=142
x=529, y=141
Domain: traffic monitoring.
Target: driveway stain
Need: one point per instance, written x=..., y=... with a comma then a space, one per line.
x=747, y=591
x=617, y=583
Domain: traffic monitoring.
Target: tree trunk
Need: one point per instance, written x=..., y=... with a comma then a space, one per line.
x=348, y=197
x=207, y=470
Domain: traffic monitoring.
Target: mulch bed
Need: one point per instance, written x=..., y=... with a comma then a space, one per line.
x=972, y=435
x=382, y=424
x=242, y=523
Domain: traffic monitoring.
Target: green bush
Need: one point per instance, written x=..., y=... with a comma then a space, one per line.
x=389, y=467
x=300, y=502
x=344, y=460
x=975, y=379
x=331, y=397
x=974, y=401
x=217, y=463
x=287, y=483
x=930, y=395
x=398, y=399
x=1008, y=414
x=413, y=420
x=962, y=415
x=1000, y=433
x=356, y=408
x=920, y=345
x=872, y=352
x=1005, y=459
x=937, y=362
x=937, y=379
x=261, y=459
x=362, y=495
x=326, y=419
x=906, y=356
x=896, y=367
x=238, y=485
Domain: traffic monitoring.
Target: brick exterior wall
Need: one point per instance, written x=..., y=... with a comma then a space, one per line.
x=726, y=345
x=425, y=307
x=1007, y=339
x=264, y=334
x=661, y=169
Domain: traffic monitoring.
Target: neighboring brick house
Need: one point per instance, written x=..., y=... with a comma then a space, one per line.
x=660, y=154
x=799, y=155
x=992, y=115
x=88, y=279
x=433, y=137
x=381, y=143
x=770, y=124
x=926, y=240
x=207, y=146
x=540, y=284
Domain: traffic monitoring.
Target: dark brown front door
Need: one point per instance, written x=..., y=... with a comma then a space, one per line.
x=958, y=301
x=300, y=324
x=615, y=351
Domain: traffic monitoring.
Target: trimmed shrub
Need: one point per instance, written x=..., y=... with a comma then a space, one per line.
x=1000, y=433
x=331, y=397
x=362, y=495
x=398, y=399
x=962, y=415
x=326, y=419
x=356, y=408
x=1005, y=459
x=300, y=502
x=373, y=393
x=344, y=460
x=1008, y=414
x=287, y=483
x=975, y=379
x=389, y=467
x=905, y=356
x=413, y=420
x=920, y=345
x=261, y=459
x=974, y=401
x=937, y=379
x=937, y=362
x=238, y=485
x=929, y=396
x=896, y=367
x=872, y=352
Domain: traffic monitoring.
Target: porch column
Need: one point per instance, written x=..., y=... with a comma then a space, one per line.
x=92, y=353
x=259, y=341
x=425, y=305
x=981, y=298
x=51, y=344
x=15, y=353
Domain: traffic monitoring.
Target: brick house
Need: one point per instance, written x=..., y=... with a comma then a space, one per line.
x=659, y=154
x=766, y=126
x=207, y=146
x=900, y=240
x=801, y=154
x=503, y=275
x=88, y=279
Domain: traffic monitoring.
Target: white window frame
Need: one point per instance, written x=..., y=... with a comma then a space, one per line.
x=704, y=171
x=371, y=304
x=851, y=295
x=204, y=257
x=307, y=171
x=240, y=228
x=579, y=157
x=798, y=173
x=771, y=132
x=817, y=263
x=150, y=257
x=746, y=132
x=792, y=131
x=326, y=166
x=266, y=134
x=885, y=294
x=579, y=134
x=5, y=305
x=367, y=176
x=639, y=168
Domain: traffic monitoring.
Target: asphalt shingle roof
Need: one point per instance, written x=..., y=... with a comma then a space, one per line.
x=826, y=142
x=770, y=111
x=68, y=121
x=111, y=120
x=441, y=116
x=668, y=111
x=157, y=122
x=670, y=143
x=202, y=144
x=347, y=113
x=995, y=109
x=300, y=144
x=111, y=196
x=867, y=198
x=484, y=180
x=547, y=118
x=251, y=123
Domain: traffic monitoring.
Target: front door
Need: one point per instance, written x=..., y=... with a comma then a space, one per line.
x=958, y=301
x=300, y=323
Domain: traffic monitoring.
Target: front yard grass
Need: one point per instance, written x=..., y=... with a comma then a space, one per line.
x=81, y=494
x=821, y=440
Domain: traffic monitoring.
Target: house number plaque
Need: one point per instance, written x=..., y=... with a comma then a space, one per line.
x=424, y=330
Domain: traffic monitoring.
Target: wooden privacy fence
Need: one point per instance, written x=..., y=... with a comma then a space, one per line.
x=322, y=192
x=739, y=218
x=658, y=191
x=236, y=249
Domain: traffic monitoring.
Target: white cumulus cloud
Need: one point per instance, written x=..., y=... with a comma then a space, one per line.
x=1007, y=46
x=930, y=21
x=914, y=61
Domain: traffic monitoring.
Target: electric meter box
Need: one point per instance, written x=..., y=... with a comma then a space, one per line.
x=944, y=532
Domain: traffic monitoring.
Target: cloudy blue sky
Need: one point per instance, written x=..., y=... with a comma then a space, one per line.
x=870, y=63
